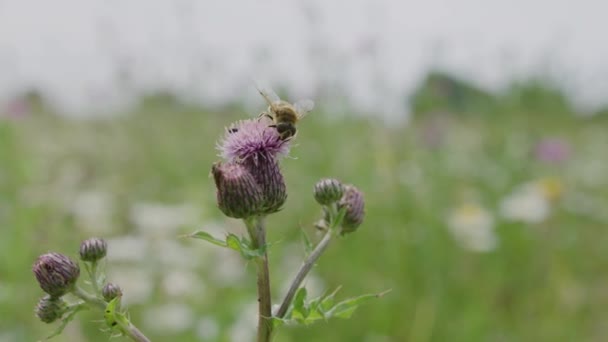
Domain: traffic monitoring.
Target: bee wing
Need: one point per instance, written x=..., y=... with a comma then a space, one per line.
x=303, y=107
x=268, y=94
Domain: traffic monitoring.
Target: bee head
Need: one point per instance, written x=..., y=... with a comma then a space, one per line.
x=286, y=130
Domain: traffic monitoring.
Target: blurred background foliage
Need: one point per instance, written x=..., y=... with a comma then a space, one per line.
x=484, y=216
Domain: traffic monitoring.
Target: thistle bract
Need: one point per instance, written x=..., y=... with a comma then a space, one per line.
x=238, y=194
x=352, y=202
x=111, y=291
x=93, y=249
x=49, y=309
x=56, y=273
x=328, y=191
x=268, y=176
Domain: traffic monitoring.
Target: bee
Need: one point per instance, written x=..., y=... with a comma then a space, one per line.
x=284, y=114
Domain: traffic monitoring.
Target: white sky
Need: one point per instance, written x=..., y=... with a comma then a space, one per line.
x=79, y=52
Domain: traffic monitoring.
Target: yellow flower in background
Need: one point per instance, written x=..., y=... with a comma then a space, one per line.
x=472, y=226
x=531, y=202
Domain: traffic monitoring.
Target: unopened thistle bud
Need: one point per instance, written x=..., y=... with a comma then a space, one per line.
x=328, y=191
x=56, y=273
x=238, y=194
x=111, y=291
x=93, y=249
x=268, y=176
x=352, y=202
x=49, y=309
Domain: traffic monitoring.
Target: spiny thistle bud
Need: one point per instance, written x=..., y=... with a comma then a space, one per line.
x=267, y=175
x=49, y=309
x=93, y=249
x=238, y=194
x=111, y=291
x=352, y=201
x=328, y=191
x=56, y=273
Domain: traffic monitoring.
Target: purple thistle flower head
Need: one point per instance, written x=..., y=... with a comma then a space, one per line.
x=252, y=139
x=251, y=173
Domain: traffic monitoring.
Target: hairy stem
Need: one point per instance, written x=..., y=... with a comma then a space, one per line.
x=257, y=232
x=127, y=327
x=132, y=332
x=304, y=269
x=89, y=298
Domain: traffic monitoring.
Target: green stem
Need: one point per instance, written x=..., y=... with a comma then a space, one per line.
x=303, y=272
x=94, y=277
x=257, y=232
x=125, y=326
x=334, y=216
x=89, y=298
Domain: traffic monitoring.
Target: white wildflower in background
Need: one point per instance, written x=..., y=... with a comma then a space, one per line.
x=92, y=211
x=129, y=248
x=168, y=318
x=244, y=329
x=207, y=329
x=160, y=219
x=531, y=202
x=231, y=269
x=472, y=227
x=180, y=283
x=137, y=284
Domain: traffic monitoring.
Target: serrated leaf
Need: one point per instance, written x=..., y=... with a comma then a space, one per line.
x=243, y=246
x=337, y=220
x=328, y=301
x=308, y=246
x=300, y=311
x=346, y=308
x=208, y=237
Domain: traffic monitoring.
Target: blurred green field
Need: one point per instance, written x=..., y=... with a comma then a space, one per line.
x=541, y=281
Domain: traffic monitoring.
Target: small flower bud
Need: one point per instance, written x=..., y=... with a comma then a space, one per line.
x=268, y=176
x=328, y=191
x=93, y=249
x=111, y=291
x=352, y=201
x=50, y=309
x=238, y=194
x=56, y=273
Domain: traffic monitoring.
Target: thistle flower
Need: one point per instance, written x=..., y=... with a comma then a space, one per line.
x=328, y=191
x=49, y=309
x=56, y=273
x=111, y=291
x=252, y=139
x=238, y=194
x=253, y=148
x=93, y=249
x=352, y=201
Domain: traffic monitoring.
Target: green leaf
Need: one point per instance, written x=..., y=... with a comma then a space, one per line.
x=308, y=246
x=337, y=220
x=346, y=308
x=328, y=302
x=243, y=246
x=278, y=322
x=300, y=311
x=207, y=237
x=110, y=314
